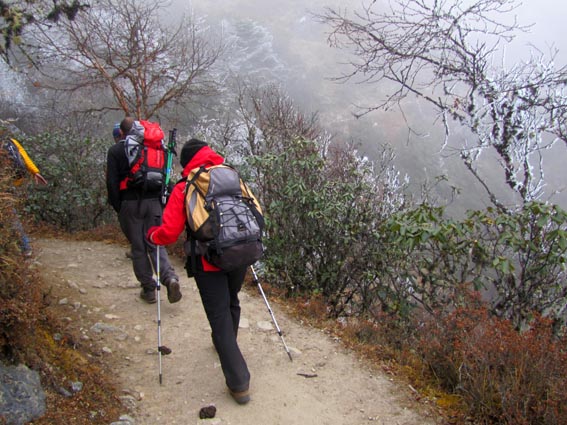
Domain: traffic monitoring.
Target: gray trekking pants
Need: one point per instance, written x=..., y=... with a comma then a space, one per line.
x=136, y=217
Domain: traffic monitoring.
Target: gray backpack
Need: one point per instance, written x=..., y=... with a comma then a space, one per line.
x=225, y=220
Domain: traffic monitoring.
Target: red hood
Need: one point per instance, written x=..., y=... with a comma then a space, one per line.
x=204, y=157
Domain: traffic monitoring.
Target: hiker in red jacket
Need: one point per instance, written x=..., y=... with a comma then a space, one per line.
x=218, y=289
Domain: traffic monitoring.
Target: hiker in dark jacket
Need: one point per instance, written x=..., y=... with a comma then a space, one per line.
x=218, y=289
x=138, y=210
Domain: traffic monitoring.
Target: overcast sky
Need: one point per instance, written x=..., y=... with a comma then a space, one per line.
x=302, y=44
x=549, y=19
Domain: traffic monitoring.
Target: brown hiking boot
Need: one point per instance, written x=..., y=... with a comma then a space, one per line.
x=241, y=397
x=173, y=290
x=148, y=296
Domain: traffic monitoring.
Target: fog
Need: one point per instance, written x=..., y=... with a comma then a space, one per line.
x=308, y=65
x=280, y=41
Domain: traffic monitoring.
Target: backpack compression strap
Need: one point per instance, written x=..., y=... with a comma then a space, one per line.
x=189, y=236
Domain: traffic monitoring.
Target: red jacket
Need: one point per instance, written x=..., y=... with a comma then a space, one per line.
x=174, y=216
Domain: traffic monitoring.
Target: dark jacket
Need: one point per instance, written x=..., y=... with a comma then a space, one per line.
x=117, y=169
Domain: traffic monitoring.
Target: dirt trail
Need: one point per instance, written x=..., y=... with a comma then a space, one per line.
x=95, y=280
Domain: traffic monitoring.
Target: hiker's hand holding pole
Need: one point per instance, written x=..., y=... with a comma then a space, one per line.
x=150, y=235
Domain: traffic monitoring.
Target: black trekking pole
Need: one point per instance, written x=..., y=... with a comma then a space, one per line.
x=257, y=281
x=162, y=349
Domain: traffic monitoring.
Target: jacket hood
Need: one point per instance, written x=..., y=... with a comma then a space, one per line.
x=204, y=157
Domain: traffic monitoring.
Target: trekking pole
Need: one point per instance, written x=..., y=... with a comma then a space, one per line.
x=271, y=312
x=169, y=165
x=162, y=349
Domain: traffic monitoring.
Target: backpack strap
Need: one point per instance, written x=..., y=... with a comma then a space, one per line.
x=190, y=238
x=202, y=169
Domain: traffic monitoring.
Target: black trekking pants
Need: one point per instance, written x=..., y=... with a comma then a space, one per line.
x=136, y=217
x=219, y=294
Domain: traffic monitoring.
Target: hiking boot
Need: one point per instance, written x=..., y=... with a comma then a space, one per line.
x=173, y=290
x=148, y=296
x=241, y=397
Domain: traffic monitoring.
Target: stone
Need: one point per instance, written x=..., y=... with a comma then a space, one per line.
x=22, y=398
x=265, y=326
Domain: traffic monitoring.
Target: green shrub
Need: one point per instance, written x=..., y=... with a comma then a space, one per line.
x=75, y=197
x=524, y=258
x=322, y=220
x=423, y=262
x=518, y=260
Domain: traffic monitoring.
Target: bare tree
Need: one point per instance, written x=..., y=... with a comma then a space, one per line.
x=121, y=47
x=444, y=52
x=16, y=15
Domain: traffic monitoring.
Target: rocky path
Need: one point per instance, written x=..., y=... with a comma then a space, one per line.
x=325, y=383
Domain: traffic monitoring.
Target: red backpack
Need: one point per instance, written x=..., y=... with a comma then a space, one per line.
x=145, y=150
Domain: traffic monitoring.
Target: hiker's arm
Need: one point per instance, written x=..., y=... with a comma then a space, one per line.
x=173, y=219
